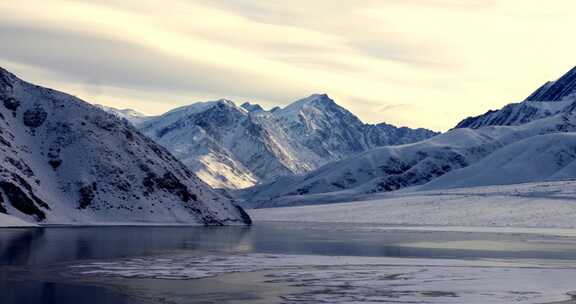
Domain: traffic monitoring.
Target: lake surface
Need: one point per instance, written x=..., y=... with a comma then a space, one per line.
x=269, y=263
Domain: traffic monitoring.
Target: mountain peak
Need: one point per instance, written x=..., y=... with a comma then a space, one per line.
x=225, y=101
x=313, y=100
x=317, y=98
x=203, y=106
x=251, y=107
x=556, y=90
x=125, y=111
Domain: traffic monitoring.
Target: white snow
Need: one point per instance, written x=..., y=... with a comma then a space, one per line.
x=231, y=147
x=529, y=141
x=539, y=158
x=350, y=279
x=11, y=221
x=536, y=205
x=391, y=168
x=65, y=161
x=133, y=116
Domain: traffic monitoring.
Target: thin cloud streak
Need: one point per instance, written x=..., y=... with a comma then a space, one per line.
x=100, y=61
x=462, y=57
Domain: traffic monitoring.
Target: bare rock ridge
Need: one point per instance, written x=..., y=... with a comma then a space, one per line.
x=556, y=90
x=550, y=99
x=64, y=161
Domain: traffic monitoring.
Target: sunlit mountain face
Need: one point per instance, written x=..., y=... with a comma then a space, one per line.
x=235, y=147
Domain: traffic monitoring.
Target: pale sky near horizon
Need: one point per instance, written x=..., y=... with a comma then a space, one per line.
x=417, y=63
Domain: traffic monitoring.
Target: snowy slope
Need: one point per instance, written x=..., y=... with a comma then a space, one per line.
x=535, y=205
x=552, y=98
x=538, y=158
x=500, y=147
x=517, y=114
x=134, y=117
x=391, y=168
x=65, y=161
x=230, y=146
x=11, y=221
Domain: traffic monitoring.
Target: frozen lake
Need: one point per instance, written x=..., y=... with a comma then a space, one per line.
x=283, y=263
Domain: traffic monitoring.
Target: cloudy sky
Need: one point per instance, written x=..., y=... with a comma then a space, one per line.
x=419, y=63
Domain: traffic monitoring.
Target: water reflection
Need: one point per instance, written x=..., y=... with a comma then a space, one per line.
x=25, y=252
x=35, y=246
x=42, y=246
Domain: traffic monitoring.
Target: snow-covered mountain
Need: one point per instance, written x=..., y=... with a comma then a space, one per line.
x=564, y=87
x=334, y=133
x=66, y=161
x=230, y=146
x=224, y=144
x=550, y=157
x=392, y=168
x=529, y=141
x=134, y=117
x=552, y=98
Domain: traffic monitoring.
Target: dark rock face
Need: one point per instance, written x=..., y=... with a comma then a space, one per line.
x=556, y=90
x=421, y=172
x=251, y=107
x=11, y=104
x=20, y=165
x=21, y=201
x=2, y=207
x=87, y=194
x=55, y=163
x=512, y=114
x=34, y=118
x=5, y=80
x=167, y=182
x=388, y=135
x=244, y=215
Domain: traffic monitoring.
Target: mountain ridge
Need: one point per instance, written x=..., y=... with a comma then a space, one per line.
x=246, y=145
x=551, y=98
x=500, y=147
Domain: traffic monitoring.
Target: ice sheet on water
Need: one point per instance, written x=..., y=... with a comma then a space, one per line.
x=326, y=279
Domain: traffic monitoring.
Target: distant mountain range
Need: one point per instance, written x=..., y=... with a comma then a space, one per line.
x=523, y=142
x=64, y=161
x=69, y=162
x=231, y=146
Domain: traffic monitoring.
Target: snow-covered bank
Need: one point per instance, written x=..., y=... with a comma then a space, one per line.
x=10, y=221
x=537, y=205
